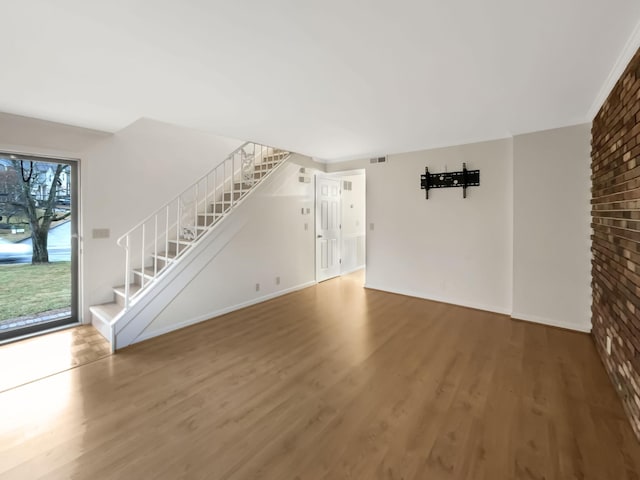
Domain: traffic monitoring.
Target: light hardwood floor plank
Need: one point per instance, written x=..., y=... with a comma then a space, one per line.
x=331, y=382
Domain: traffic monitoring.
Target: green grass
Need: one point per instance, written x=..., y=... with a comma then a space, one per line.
x=28, y=289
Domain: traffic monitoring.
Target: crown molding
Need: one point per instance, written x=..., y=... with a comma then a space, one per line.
x=629, y=50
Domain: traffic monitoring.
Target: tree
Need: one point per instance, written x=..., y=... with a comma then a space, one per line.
x=40, y=212
x=9, y=195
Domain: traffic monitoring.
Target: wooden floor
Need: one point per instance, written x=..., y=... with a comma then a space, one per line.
x=332, y=382
x=34, y=358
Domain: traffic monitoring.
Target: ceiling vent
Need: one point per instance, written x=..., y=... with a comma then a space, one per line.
x=378, y=160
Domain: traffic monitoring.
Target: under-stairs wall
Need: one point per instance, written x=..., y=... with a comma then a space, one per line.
x=125, y=177
x=272, y=254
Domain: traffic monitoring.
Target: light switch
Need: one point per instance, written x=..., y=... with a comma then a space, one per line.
x=100, y=233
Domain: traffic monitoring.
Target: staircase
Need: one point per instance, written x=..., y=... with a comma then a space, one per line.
x=157, y=244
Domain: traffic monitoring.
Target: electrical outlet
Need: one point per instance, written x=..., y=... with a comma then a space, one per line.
x=371, y=226
x=277, y=280
x=306, y=226
x=608, y=345
x=257, y=287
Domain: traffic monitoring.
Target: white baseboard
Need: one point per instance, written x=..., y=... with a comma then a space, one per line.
x=208, y=316
x=435, y=298
x=487, y=308
x=552, y=323
x=351, y=270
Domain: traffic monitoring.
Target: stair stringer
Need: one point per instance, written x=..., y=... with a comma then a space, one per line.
x=131, y=323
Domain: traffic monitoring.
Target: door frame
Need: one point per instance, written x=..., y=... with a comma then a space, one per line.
x=338, y=176
x=74, y=318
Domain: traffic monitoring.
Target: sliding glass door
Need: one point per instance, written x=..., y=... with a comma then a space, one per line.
x=38, y=244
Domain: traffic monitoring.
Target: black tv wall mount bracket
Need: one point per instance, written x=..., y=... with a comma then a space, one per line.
x=464, y=178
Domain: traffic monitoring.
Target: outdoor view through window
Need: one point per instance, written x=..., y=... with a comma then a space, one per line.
x=36, y=219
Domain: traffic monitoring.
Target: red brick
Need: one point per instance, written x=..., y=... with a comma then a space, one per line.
x=615, y=177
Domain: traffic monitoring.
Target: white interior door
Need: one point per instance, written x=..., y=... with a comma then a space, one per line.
x=327, y=228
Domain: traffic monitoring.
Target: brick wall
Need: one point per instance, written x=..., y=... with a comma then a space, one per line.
x=615, y=164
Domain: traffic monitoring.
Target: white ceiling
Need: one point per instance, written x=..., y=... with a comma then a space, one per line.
x=333, y=79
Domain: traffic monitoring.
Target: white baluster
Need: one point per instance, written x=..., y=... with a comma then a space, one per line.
x=142, y=260
x=166, y=234
x=155, y=246
x=127, y=272
x=178, y=227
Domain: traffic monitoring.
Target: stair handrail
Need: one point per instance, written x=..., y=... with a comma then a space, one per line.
x=150, y=216
x=236, y=171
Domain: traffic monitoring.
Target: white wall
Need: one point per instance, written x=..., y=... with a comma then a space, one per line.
x=39, y=137
x=551, y=256
x=446, y=248
x=125, y=178
x=523, y=234
x=520, y=243
x=353, y=223
x=273, y=243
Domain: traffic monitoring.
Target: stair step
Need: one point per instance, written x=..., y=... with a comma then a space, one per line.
x=259, y=174
x=163, y=259
x=271, y=161
x=106, y=312
x=206, y=219
x=237, y=195
x=133, y=289
x=148, y=272
x=119, y=293
x=220, y=207
x=164, y=256
x=243, y=186
x=276, y=156
x=265, y=167
x=199, y=230
x=184, y=244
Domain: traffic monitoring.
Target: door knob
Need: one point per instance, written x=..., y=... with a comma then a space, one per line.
x=319, y=236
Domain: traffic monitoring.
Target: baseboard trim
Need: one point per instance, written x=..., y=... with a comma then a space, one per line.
x=551, y=323
x=434, y=298
x=208, y=316
x=355, y=269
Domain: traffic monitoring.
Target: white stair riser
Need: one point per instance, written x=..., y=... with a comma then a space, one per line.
x=119, y=299
x=101, y=326
x=236, y=196
x=207, y=219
